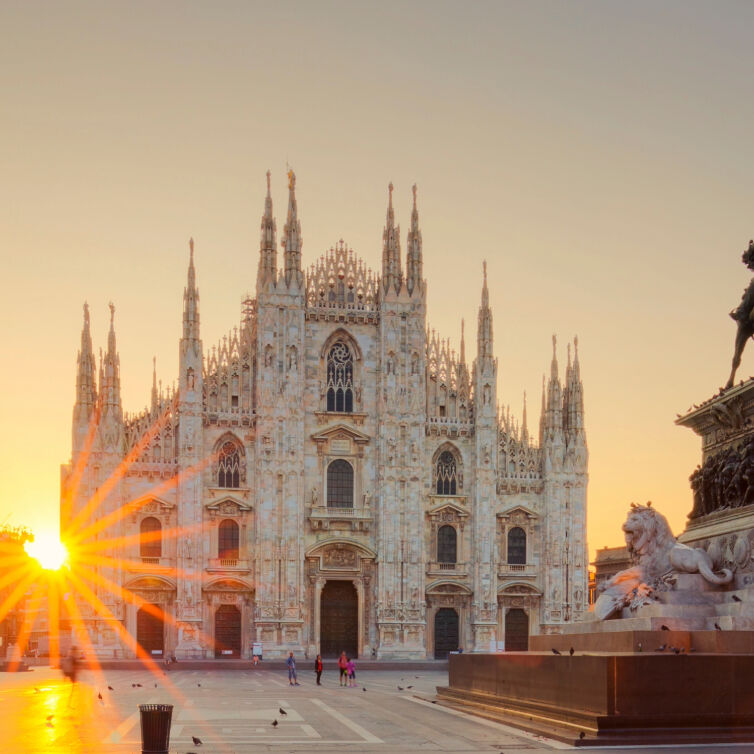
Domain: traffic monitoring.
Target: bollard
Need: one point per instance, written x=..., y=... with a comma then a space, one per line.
x=155, y=728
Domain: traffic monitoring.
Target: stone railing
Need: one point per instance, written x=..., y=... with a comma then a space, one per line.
x=447, y=569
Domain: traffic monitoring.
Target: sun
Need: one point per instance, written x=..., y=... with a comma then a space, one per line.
x=48, y=551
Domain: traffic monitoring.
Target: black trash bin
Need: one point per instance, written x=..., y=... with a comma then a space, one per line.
x=155, y=728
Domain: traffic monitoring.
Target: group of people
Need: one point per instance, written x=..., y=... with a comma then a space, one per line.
x=346, y=670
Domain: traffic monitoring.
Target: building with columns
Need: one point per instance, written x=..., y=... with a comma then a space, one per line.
x=331, y=476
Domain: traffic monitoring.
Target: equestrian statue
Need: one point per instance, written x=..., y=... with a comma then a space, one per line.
x=744, y=316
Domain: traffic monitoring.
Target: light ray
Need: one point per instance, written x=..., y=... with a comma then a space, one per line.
x=106, y=488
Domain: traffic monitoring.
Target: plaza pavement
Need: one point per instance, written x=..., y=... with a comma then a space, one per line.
x=232, y=711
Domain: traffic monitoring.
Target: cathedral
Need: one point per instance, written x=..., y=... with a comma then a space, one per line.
x=331, y=476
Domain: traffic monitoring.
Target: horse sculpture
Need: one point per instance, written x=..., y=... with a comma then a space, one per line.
x=744, y=316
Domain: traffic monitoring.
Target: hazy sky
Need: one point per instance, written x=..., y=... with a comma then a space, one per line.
x=598, y=155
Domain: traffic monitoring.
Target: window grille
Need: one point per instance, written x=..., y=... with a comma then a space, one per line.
x=340, y=379
x=340, y=484
x=446, y=544
x=227, y=548
x=446, y=474
x=516, y=546
x=150, y=545
x=229, y=466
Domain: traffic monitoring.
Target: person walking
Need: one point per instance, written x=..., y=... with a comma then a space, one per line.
x=70, y=667
x=291, y=663
x=318, y=668
x=351, y=668
x=343, y=668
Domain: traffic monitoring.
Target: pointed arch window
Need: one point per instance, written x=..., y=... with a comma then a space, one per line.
x=229, y=466
x=340, y=378
x=516, y=546
x=340, y=484
x=227, y=541
x=446, y=474
x=447, y=544
x=150, y=541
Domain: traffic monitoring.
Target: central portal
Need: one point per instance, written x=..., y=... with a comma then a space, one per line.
x=339, y=619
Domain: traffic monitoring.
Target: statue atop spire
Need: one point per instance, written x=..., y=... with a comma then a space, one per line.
x=292, y=240
x=392, y=274
x=414, y=251
x=268, y=253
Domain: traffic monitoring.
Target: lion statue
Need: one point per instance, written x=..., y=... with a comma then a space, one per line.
x=657, y=555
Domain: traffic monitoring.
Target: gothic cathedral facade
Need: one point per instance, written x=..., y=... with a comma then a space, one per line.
x=330, y=477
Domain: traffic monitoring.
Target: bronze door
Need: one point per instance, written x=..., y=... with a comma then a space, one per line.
x=227, y=631
x=339, y=620
x=446, y=632
x=516, y=631
x=150, y=632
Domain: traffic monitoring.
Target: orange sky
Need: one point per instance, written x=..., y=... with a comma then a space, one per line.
x=597, y=155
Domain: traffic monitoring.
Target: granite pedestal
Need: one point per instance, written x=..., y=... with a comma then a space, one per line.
x=610, y=699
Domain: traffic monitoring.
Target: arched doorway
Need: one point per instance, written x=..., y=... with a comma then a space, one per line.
x=516, y=630
x=339, y=619
x=227, y=631
x=150, y=631
x=446, y=632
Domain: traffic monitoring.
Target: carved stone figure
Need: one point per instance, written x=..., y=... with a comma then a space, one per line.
x=658, y=556
x=744, y=317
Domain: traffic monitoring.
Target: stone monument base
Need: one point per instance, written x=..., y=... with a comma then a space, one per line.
x=610, y=699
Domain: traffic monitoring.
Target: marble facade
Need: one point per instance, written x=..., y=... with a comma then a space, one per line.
x=330, y=437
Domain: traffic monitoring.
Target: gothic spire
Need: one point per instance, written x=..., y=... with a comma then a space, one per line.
x=554, y=420
x=191, y=301
x=268, y=254
x=155, y=396
x=524, y=426
x=574, y=401
x=542, y=414
x=414, y=251
x=392, y=275
x=110, y=374
x=463, y=343
x=484, y=330
x=86, y=374
x=292, y=239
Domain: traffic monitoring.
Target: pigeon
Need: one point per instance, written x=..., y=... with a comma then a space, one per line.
x=571, y=651
x=639, y=647
x=717, y=628
x=582, y=735
x=364, y=689
x=49, y=725
x=99, y=696
x=555, y=651
x=400, y=688
x=274, y=723
x=155, y=685
x=661, y=648
x=133, y=685
x=663, y=627
x=199, y=685
x=736, y=598
x=110, y=688
x=197, y=741
x=49, y=717
x=409, y=687
x=138, y=686
x=282, y=711
x=416, y=676
x=676, y=650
